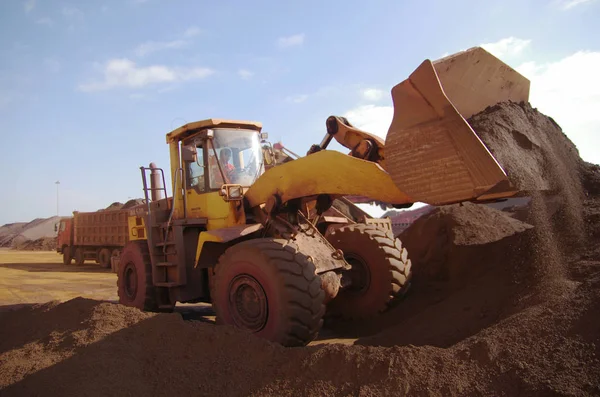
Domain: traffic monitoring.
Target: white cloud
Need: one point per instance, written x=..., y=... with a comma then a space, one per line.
x=371, y=118
x=568, y=4
x=125, y=73
x=45, y=21
x=245, y=74
x=29, y=5
x=72, y=12
x=372, y=94
x=507, y=47
x=290, y=41
x=192, y=31
x=154, y=46
x=296, y=98
x=137, y=96
x=568, y=91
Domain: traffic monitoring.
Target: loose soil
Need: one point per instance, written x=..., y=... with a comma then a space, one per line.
x=502, y=303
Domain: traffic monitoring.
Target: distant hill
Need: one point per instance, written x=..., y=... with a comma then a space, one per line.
x=40, y=233
x=14, y=234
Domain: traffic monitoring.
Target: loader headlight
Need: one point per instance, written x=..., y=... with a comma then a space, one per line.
x=232, y=192
x=235, y=192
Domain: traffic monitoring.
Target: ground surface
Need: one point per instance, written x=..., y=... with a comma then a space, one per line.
x=32, y=277
x=40, y=276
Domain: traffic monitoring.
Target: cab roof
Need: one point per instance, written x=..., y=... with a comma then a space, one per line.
x=189, y=128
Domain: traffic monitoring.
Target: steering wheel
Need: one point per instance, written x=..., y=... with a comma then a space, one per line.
x=248, y=169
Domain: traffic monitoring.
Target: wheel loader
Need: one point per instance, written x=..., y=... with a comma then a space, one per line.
x=274, y=244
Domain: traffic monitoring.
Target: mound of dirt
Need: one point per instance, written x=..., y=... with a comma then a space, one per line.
x=458, y=241
x=41, y=244
x=133, y=203
x=129, y=353
x=20, y=234
x=114, y=206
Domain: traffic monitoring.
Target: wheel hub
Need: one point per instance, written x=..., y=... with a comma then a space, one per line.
x=130, y=281
x=360, y=276
x=248, y=303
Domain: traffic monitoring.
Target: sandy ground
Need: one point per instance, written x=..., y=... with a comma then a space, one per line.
x=29, y=277
x=38, y=277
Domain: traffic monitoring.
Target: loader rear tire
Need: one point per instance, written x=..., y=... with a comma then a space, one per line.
x=381, y=271
x=79, y=257
x=134, y=279
x=104, y=258
x=268, y=287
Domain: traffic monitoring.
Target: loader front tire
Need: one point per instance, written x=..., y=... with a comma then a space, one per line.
x=134, y=279
x=268, y=287
x=380, y=273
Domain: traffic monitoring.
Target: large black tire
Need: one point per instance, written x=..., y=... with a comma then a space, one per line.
x=134, y=279
x=67, y=257
x=268, y=287
x=381, y=271
x=79, y=258
x=104, y=258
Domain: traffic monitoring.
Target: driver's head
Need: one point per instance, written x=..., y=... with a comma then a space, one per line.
x=225, y=155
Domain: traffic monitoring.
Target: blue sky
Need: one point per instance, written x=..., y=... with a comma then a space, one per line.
x=88, y=89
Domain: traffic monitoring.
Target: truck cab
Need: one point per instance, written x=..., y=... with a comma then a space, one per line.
x=64, y=238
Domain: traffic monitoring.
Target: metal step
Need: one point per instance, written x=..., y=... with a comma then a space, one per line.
x=166, y=264
x=166, y=284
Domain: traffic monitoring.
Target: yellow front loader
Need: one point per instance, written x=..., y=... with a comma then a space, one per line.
x=275, y=245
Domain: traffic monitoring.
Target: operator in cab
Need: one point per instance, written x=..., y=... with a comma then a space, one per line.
x=226, y=166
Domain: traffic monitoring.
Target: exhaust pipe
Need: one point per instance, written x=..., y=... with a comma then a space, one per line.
x=155, y=183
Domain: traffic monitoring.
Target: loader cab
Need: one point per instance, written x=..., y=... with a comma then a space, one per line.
x=221, y=156
x=214, y=162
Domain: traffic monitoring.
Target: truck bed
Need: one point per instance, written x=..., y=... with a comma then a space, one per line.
x=101, y=228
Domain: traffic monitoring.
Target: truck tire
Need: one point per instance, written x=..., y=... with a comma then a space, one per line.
x=268, y=287
x=67, y=258
x=79, y=258
x=134, y=279
x=104, y=258
x=381, y=271
x=115, y=253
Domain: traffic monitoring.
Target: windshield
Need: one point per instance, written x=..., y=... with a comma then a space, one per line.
x=239, y=155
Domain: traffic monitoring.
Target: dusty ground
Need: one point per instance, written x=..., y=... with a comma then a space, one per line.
x=40, y=276
x=33, y=277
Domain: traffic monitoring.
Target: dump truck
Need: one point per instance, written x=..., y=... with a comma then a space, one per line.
x=273, y=243
x=95, y=236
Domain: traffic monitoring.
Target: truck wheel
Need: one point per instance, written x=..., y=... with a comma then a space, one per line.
x=114, y=253
x=134, y=278
x=268, y=287
x=79, y=258
x=67, y=258
x=104, y=258
x=380, y=271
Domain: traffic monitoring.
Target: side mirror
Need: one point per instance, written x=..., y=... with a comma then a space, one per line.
x=188, y=153
x=268, y=154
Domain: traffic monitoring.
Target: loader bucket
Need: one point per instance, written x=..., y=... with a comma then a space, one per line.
x=432, y=153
